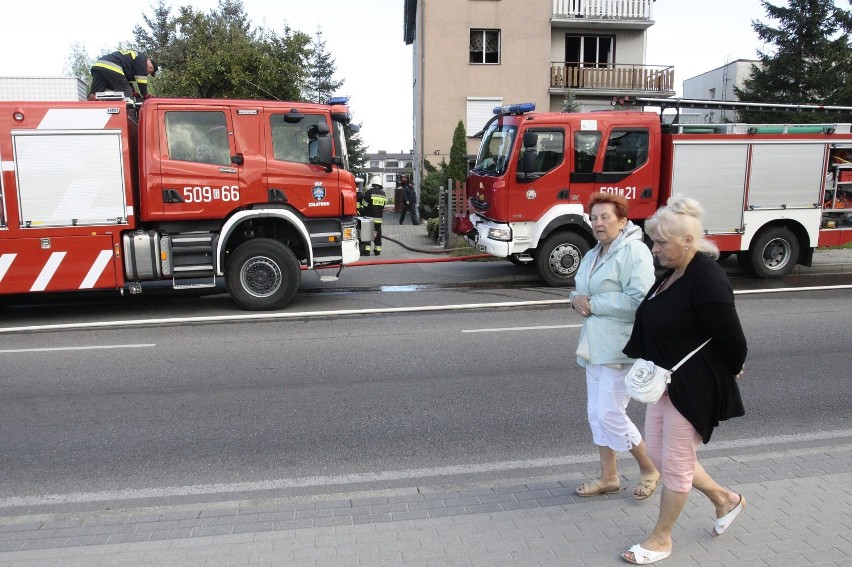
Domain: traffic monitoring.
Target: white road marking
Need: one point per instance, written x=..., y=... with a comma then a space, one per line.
x=380, y=476
x=502, y=329
x=340, y=312
x=278, y=315
x=93, y=347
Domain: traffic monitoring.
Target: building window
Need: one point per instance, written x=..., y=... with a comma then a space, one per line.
x=593, y=51
x=484, y=46
x=712, y=94
x=391, y=163
x=390, y=178
x=374, y=164
x=479, y=111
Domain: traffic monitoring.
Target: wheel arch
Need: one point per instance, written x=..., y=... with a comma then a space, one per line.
x=285, y=226
x=796, y=228
x=570, y=222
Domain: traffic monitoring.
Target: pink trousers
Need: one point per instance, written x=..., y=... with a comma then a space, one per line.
x=671, y=442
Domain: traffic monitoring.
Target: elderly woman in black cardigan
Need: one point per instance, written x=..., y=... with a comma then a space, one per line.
x=691, y=302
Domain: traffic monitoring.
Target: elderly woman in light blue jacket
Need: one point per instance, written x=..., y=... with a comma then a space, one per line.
x=612, y=281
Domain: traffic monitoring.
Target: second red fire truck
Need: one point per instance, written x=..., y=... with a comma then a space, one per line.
x=772, y=194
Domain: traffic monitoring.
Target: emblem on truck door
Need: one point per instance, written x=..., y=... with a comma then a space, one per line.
x=318, y=191
x=531, y=194
x=319, y=194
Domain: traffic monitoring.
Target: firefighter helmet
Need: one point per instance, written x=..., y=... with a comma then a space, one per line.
x=376, y=180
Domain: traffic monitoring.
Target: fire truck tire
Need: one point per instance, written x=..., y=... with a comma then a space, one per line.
x=558, y=258
x=774, y=253
x=262, y=274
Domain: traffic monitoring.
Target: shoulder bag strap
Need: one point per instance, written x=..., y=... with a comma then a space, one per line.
x=688, y=356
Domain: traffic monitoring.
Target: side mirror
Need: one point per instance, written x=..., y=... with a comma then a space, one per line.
x=320, y=152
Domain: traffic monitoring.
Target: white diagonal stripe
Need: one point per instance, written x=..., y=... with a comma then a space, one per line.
x=96, y=270
x=47, y=272
x=6, y=261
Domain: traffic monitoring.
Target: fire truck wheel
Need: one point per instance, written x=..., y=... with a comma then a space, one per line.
x=558, y=258
x=774, y=253
x=262, y=274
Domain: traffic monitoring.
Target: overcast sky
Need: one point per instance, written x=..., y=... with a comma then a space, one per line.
x=366, y=40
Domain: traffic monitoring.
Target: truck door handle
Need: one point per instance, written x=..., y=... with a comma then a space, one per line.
x=172, y=196
x=277, y=196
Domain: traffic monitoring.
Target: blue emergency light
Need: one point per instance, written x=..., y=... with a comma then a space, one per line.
x=338, y=100
x=515, y=108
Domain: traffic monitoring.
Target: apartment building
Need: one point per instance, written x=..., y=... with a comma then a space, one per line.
x=388, y=166
x=472, y=55
x=719, y=84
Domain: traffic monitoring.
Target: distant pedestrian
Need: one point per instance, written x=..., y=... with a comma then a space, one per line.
x=115, y=71
x=372, y=205
x=409, y=202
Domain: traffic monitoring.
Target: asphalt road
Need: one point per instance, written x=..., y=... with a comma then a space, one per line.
x=250, y=401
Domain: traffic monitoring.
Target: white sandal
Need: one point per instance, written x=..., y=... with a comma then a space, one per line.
x=725, y=521
x=642, y=556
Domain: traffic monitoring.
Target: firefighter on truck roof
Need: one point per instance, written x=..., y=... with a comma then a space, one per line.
x=372, y=204
x=115, y=71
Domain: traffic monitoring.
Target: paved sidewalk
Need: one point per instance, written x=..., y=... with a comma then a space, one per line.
x=798, y=512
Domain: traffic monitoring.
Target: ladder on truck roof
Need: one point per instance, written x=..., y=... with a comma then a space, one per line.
x=684, y=103
x=679, y=103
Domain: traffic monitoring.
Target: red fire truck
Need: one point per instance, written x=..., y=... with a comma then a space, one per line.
x=771, y=193
x=193, y=193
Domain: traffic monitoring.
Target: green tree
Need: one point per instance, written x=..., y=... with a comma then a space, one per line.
x=457, y=169
x=810, y=62
x=321, y=83
x=79, y=63
x=570, y=102
x=221, y=55
x=431, y=184
x=356, y=149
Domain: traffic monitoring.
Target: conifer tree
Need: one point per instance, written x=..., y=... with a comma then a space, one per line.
x=457, y=169
x=809, y=62
x=321, y=69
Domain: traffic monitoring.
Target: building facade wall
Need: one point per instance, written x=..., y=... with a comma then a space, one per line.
x=448, y=78
x=718, y=84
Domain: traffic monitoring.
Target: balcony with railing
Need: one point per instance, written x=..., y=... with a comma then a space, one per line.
x=612, y=79
x=624, y=14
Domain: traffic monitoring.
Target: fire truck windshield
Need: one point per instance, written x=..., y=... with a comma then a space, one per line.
x=496, y=148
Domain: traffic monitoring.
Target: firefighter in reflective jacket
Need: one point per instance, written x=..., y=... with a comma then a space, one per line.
x=115, y=71
x=372, y=204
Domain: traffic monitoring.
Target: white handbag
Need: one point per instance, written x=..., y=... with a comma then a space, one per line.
x=646, y=381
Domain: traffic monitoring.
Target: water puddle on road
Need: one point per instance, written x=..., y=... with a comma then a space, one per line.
x=401, y=288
